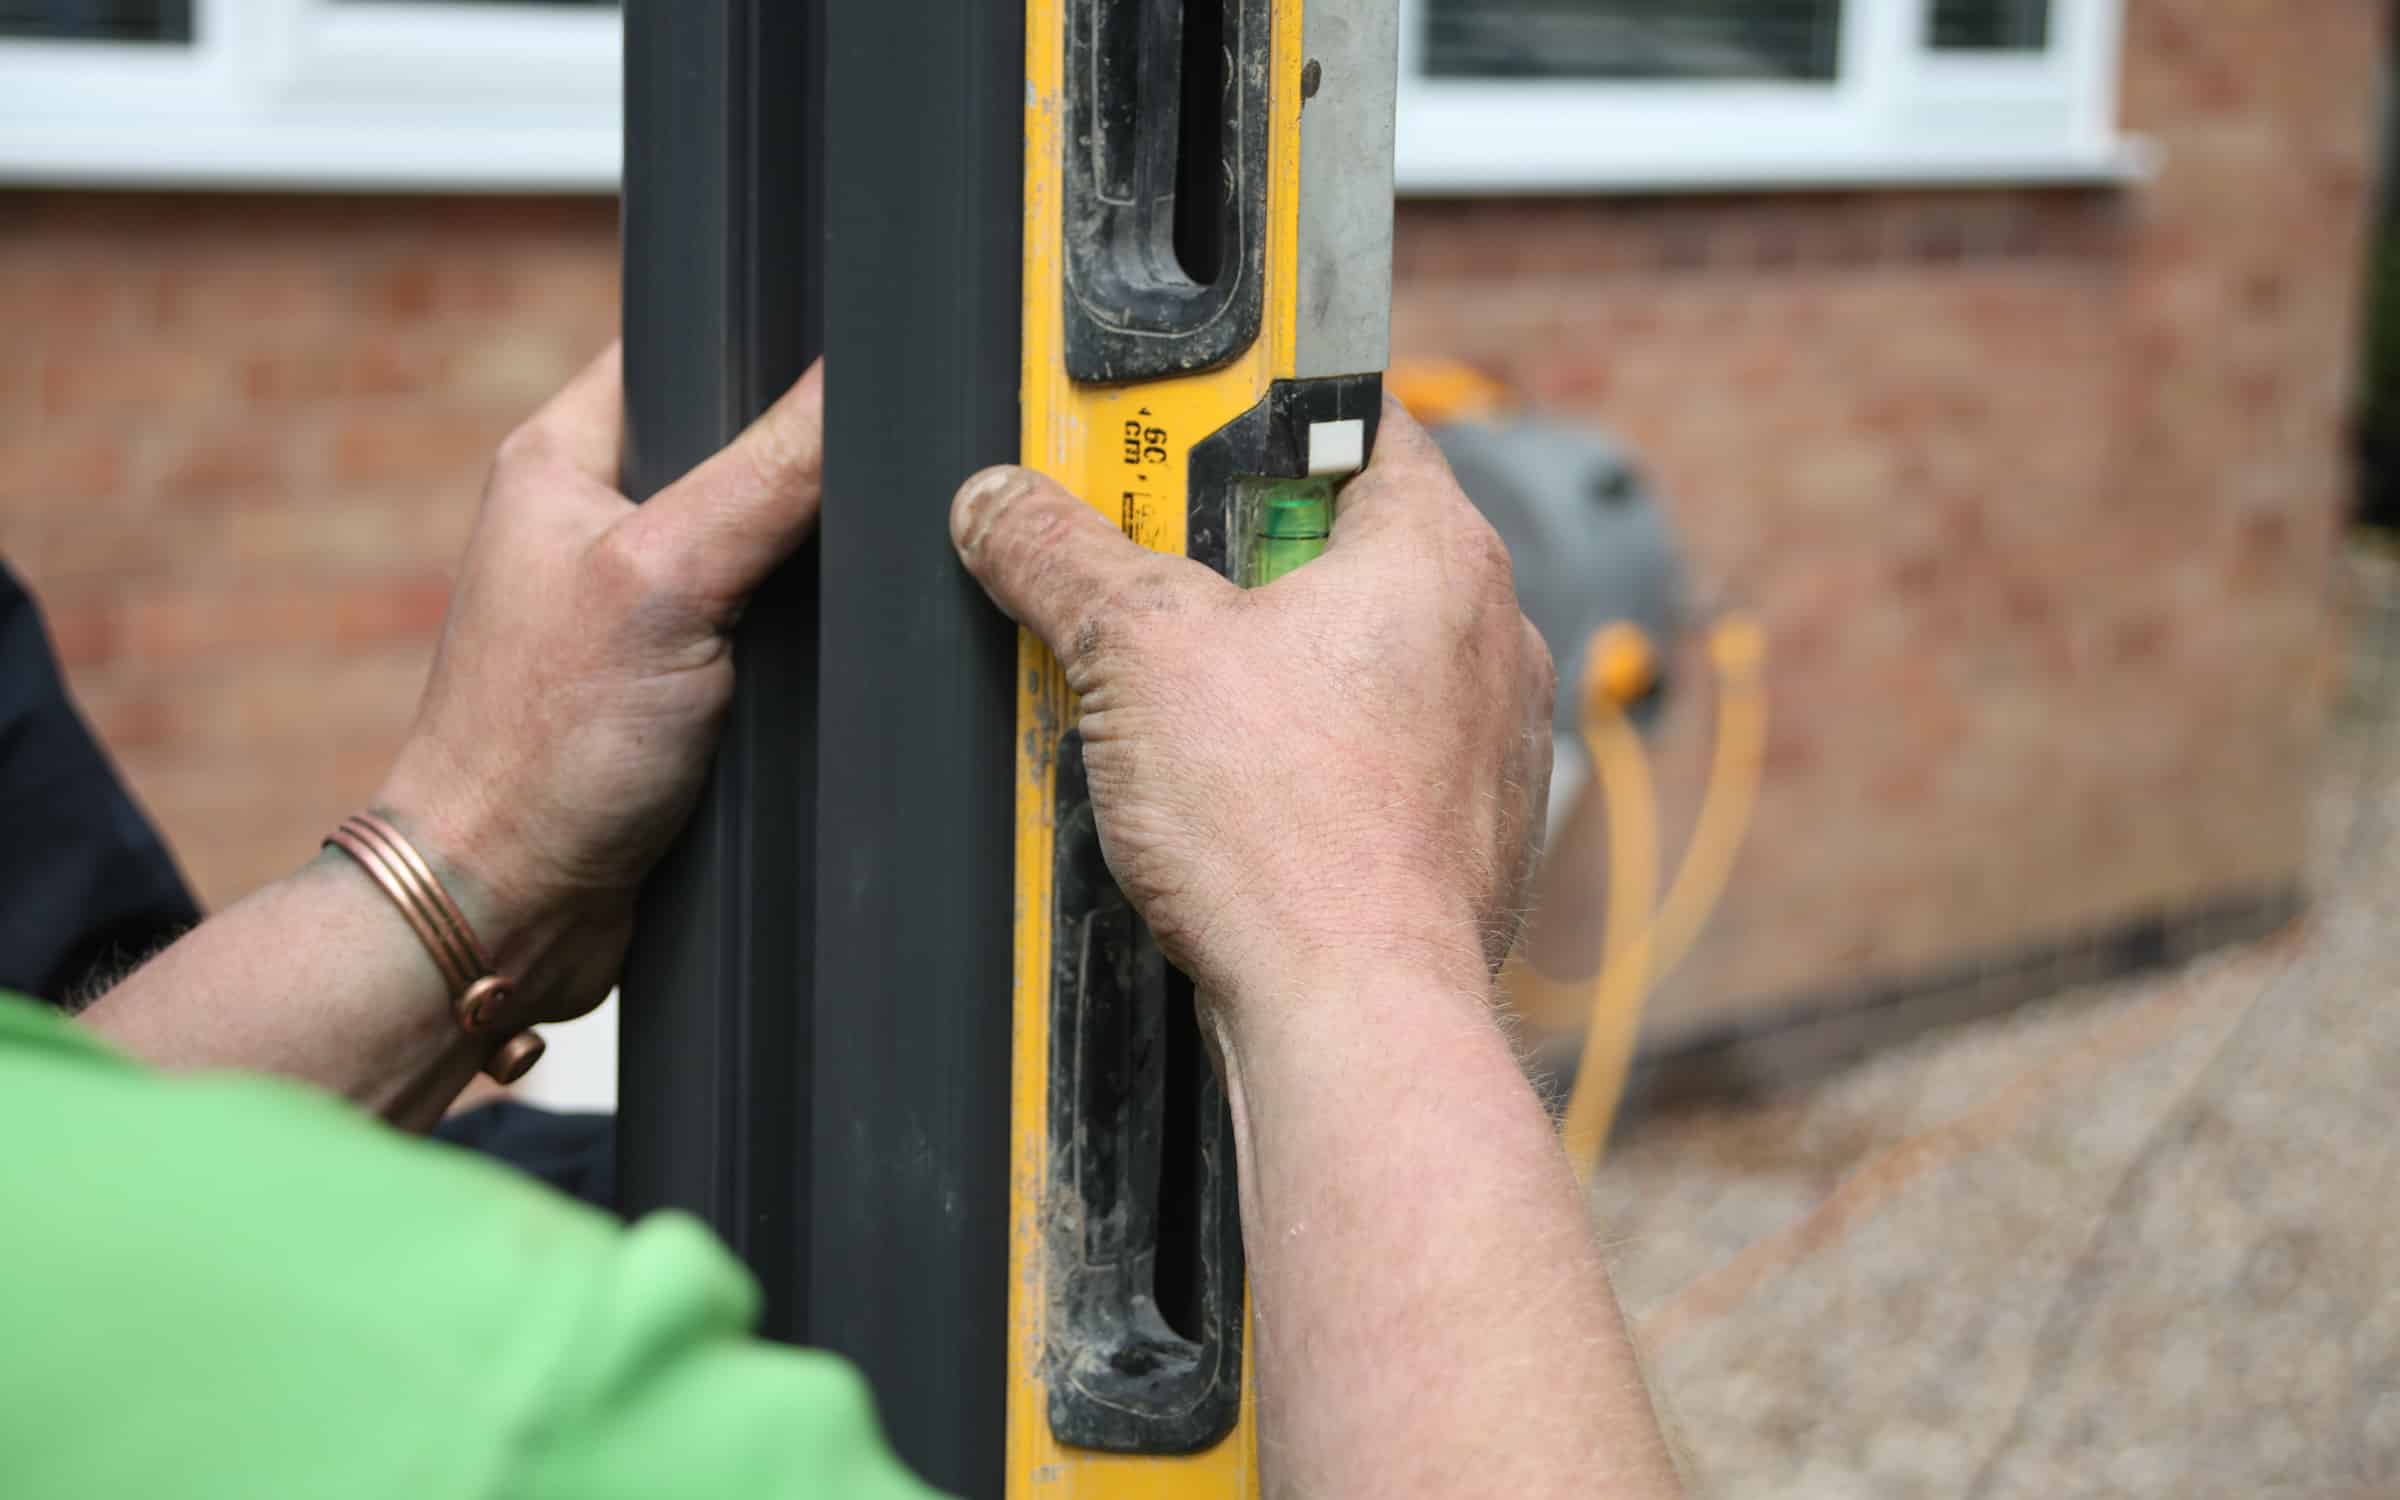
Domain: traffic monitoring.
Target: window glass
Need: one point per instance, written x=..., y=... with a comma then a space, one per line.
x=1766, y=40
x=98, y=20
x=1991, y=25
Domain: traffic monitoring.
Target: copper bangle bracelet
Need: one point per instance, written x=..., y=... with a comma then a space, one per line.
x=479, y=992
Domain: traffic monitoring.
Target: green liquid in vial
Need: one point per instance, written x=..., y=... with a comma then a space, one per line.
x=1291, y=520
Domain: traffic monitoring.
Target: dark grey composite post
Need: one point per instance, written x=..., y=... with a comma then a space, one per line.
x=816, y=1037
x=724, y=297
x=925, y=111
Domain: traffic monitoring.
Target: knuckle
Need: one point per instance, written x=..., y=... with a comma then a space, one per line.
x=1159, y=581
x=1475, y=549
x=1154, y=588
x=1093, y=653
x=1096, y=627
x=1488, y=555
x=1545, y=663
x=782, y=458
x=529, y=448
x=626, y=568
x=1092, y=639
x=1123, y=626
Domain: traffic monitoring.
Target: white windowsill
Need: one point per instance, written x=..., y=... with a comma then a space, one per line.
x=325, y=158
x=2124, y=161
x=587, y=160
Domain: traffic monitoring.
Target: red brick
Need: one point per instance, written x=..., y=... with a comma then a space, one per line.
x=50, y=298
x=122, y=379
x=458, y=281
x=221, y=467
x=1791, y=751
x=343, y=534
x=404, y=609
x=137, y=717
x=40, y=468
x=430, y=449
x=356, y=768
x=234, y=294
x=163, y=626
x=391, y=367
x=572, y=286
x=518, y=373
x=281, y=705
x=286, y=374
x=365, y=365
x=236, y=823
x=85, y=632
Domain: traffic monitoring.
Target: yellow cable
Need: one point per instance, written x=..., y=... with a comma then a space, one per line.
x=1738, y=651
x=1622, y=774
x=1638, y=947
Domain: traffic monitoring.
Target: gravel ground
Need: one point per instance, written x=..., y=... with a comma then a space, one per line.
x=2143, y=1239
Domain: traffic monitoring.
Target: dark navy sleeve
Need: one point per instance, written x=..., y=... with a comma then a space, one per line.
x=86, y=884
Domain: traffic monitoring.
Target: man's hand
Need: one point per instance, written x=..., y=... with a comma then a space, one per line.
x=1351, y=761
x=582, y=677
x=1323, y=795
x=583, y=673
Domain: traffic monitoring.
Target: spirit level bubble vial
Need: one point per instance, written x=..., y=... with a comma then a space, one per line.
x=1207, y=297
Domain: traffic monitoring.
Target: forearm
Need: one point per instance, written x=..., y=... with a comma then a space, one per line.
x=1433, y=1318
x=316, y=977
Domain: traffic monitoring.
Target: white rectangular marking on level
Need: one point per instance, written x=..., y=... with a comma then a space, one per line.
x=1336, y=447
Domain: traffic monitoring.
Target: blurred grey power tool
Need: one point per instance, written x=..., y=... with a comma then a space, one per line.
x=1587, y=537
x=1586, y=533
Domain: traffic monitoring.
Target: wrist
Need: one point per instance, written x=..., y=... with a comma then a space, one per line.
x=530, y=927
x=1415, y=969
x=475, y=840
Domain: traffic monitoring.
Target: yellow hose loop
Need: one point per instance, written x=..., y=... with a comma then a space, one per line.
x=1622, y=773
x=1638, y=947
x=1737, y=648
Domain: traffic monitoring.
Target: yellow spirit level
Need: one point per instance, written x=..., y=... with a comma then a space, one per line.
x=1207, y=288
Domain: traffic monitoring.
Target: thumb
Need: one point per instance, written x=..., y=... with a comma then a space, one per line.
x=1407, y=486
x=730, y=522
x=1050, y=561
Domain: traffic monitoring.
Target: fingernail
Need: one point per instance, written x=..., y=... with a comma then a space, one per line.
x=981, y=501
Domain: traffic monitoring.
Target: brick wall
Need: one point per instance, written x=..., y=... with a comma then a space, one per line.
x=240, y=445
x=2034, y=491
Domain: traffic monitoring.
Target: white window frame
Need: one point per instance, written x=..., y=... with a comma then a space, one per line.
x=323, y=93
x=422, y=94
x=1897, y=112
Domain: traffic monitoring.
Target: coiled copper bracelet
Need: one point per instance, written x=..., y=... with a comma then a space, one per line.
x=479, y=992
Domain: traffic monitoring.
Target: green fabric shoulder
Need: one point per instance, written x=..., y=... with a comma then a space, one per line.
x=229, y=1287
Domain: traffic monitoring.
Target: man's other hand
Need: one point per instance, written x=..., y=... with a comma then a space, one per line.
x=584, y=671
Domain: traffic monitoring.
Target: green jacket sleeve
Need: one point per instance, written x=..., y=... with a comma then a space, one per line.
x=660, y=1394
x=223, y=1288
